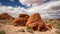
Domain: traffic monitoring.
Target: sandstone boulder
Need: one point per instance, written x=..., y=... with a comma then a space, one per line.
x=36, y=22
x=21, y=20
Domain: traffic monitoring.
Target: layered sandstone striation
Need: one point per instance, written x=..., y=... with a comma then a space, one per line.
x=35, y=21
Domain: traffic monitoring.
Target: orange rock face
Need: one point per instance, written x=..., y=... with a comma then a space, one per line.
x=24, y=16
x=5, y=16
x=37, y=23
x=49, y=26
x=21, y=20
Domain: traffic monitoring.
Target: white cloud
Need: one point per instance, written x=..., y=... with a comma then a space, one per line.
x=11, y=10
x=47, y=10
x=32, y=2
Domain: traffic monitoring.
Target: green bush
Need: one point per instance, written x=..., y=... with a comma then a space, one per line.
x=2, y=32
x=29, y=29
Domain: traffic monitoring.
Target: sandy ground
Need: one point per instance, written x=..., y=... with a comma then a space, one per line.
x=10, y=29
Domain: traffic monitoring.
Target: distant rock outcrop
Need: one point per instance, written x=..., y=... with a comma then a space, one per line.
x=5, y=16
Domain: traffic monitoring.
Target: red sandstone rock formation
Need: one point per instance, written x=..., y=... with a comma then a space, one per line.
x=23, y=16
x=37, y=23
x=21, y=20
x=5, y=16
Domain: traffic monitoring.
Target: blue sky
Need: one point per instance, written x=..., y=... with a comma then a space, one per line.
x=13, y=3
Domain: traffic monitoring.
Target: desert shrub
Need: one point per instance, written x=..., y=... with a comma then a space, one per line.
x=2, y=32
x=29, y=29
